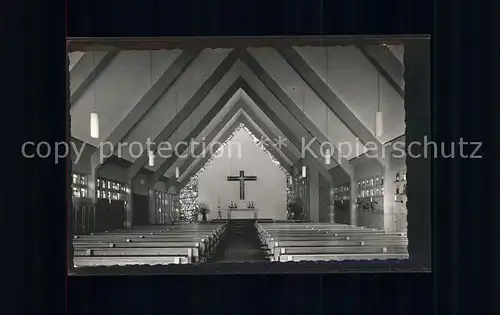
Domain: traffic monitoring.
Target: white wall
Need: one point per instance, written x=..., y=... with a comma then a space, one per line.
x=80, y=156
x=113, y=172
x=268, y=192
x=140, y=185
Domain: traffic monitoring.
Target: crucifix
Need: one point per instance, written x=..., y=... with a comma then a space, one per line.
x=242, y=178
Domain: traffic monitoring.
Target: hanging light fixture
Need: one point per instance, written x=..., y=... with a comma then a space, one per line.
x=379, y=123
x=151, y=153
x=328, y=154
x=151, y=157
x=304, y=171
x=176, y=172
x=94, y=118
x=94, y=125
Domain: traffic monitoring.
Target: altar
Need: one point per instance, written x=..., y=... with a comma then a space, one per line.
x=242, y=209
x=242, y=213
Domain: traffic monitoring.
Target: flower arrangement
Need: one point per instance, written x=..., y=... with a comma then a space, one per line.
x=203, y=209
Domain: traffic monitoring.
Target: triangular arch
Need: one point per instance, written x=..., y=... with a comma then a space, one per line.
x=188, y=195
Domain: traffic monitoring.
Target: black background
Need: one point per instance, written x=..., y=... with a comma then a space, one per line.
x=465, y=60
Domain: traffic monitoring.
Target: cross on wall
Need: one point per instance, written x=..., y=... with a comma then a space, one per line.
x=242, y=178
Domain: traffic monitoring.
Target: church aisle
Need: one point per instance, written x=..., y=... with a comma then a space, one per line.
x=241, y=243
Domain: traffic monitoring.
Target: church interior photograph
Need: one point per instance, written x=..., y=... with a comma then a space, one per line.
x=216, y=150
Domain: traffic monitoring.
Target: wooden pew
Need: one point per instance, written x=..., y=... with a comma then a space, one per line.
x=307, y=243
x=329, y=257
x=314, y=234
x=191, y=250
x=131, y=238
x=334, y=243
x=325, y=241
x=338, y=250
x=212, y=236
x=125, y=261
x=148, y=245
x=347, y=237
x=190, y=253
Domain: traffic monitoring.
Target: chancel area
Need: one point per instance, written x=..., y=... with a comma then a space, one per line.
x=200, y=151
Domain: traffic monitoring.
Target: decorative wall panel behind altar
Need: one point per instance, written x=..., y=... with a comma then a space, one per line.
x=241, y=151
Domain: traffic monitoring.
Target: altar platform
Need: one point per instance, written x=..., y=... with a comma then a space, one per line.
x=242, y=213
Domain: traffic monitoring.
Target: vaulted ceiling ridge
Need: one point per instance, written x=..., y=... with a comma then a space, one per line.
x=242, y=122
x=287, y=151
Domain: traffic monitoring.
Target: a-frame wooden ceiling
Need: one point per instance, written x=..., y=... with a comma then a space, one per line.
x=329, y=93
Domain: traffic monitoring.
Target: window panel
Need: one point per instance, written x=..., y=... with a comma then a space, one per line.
x=79, y=185
x=111, y=190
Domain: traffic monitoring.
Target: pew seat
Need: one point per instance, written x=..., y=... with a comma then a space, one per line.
x=192, y=254
x=330, y=257
x=339, y=250
x=124, y=261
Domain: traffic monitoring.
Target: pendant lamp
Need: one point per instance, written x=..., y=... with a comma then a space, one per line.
x=151, y=154
x=94, y=125
x=379, y=122
x=151, y=157
x=328, y=153
x=304, y=171
x=94, y=117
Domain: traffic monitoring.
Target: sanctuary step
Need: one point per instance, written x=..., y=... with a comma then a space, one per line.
x=241, y=243
x=280, y=221
x=218, y=221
